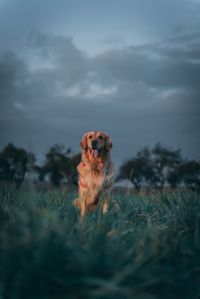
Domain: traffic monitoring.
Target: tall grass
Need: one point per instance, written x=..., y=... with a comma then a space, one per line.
x=145, y=248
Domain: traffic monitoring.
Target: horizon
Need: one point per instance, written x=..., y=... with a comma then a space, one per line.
x=42, y=158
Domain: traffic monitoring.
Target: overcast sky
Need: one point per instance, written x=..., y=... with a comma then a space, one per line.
x=127, y=67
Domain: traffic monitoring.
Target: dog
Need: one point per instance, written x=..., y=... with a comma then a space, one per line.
x=96, y=171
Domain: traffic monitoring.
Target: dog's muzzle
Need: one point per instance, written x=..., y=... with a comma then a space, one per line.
x=95, y=152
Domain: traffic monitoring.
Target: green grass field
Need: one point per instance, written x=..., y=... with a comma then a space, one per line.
x=147, y=247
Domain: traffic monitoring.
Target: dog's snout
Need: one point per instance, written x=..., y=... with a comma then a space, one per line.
x=94, y=143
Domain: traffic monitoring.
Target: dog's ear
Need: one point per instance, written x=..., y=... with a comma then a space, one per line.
x=83, y=142
x=108, y=142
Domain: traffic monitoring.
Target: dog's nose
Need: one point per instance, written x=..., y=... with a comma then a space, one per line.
x=94, y=143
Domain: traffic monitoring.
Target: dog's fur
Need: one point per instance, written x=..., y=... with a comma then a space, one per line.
x=96, y=172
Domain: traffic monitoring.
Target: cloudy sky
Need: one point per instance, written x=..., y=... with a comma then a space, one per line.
x=128, y=67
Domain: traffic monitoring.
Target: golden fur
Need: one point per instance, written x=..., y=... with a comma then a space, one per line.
x=96, y=172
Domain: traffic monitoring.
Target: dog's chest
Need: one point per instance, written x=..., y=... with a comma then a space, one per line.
x=92, y=174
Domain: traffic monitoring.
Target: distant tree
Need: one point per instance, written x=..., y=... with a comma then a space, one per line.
x=151, y=167
x=71, y=171
x=138, y=170
x=165, y=160
x=59, y=164
x=14, y=163
x=56, y=160
x=186, y=174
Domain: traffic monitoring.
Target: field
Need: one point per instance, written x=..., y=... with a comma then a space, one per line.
x=146, y=247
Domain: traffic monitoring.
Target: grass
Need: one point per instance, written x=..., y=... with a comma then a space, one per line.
x=146, y=248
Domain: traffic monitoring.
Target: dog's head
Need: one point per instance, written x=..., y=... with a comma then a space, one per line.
x=96, y=144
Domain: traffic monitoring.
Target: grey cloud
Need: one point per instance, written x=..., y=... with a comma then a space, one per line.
x=12, y=73
x=156, y=96
x=67, y=64
x=155, y=65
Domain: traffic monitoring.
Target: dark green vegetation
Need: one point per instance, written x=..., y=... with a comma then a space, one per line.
x=159, y=167
x=153, y=168
x=17, y=163
x=144, y=248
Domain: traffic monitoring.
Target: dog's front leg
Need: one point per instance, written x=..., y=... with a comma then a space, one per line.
x=105, y=206
x=82, y=209
x=82, y=202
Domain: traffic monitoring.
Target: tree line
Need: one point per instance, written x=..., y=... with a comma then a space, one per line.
x=161, y=167
x=155, y=168
x=60, y=164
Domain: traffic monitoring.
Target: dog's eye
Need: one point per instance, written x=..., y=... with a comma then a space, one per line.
x=100, y=137
x=90, y=137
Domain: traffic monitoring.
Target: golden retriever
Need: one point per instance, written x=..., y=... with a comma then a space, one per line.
x=95, y=171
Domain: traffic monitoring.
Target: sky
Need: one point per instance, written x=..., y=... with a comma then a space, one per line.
x=127, y=67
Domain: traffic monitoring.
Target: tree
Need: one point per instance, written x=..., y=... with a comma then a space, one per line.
x=164, y=160
x=187, y=174
x=151, y=167
x=71, y=171
x=14, y=163
x=59, y=164
x=138, y=170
